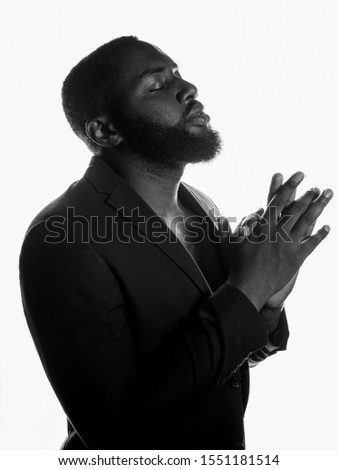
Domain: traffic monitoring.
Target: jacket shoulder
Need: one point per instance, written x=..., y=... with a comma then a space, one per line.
x=208, y=204
x=72, y=197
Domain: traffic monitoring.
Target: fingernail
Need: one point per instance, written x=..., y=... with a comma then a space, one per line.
x=328, y=193
x=315, y=190
x=298, y=177
x=327, y=228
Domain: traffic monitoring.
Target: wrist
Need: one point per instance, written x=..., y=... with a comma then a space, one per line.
x=257, y=298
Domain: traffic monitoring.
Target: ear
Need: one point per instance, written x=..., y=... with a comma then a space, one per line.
x=102, y=132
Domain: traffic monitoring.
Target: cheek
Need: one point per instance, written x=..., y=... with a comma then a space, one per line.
x=160, y=112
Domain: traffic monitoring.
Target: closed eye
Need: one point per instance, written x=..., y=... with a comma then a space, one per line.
x=156, y=87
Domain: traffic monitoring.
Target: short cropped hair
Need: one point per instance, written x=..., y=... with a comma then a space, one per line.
x=91, y=85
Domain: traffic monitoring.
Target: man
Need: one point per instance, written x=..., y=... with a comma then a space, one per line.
x=146, y=312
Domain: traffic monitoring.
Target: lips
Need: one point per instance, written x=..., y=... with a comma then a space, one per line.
x=199, y=119
x=197, y=116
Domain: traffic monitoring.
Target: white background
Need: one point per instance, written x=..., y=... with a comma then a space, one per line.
x=267, y=72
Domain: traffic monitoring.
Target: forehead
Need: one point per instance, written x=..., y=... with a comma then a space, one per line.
x=134, y=59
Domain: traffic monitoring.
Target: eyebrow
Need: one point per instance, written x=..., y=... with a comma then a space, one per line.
x=153, y=70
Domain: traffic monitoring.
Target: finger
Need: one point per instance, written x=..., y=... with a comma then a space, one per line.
x=311, y=243
x=238, y=231
x=276, y=183
x=309, y=232
x=245, y=227
x=293, y=195
x=296, y=209
x=249, y=221
x=291, y=198
x=311, y=214
x=260, y=211
x=241, y=222
x=279, y=200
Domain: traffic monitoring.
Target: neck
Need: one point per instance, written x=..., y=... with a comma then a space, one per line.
x=158, y=186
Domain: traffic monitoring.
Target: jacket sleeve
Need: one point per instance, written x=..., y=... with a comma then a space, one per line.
x=277, y=340
x=78, y=318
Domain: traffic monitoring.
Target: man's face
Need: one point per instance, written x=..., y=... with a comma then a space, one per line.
x=157, y=112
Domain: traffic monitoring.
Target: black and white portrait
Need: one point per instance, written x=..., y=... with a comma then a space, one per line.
x=169, y=225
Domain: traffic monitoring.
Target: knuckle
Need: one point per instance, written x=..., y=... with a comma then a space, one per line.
x=322, y=201
x=309, y=197
x=311, y=194
x=300, y=206
x=308, y=218
x=291, y=183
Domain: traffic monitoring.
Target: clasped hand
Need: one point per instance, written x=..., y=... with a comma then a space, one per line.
x=275, y=242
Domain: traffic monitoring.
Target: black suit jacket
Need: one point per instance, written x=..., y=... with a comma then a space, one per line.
x=144, y=347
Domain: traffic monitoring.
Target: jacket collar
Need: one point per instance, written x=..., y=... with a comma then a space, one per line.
x=133, y=208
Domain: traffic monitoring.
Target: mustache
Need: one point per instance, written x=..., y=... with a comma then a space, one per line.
x=192, y=107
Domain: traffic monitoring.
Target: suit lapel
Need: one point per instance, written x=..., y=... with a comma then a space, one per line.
x=135, y=210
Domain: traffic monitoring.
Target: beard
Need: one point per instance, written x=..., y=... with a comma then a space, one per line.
x=169, y=146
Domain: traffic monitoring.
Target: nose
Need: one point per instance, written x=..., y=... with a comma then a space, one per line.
x=186, y=92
